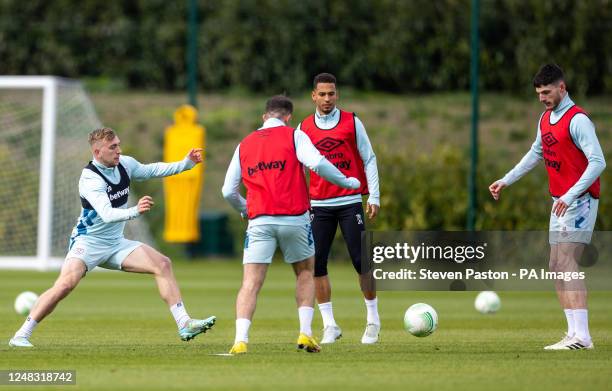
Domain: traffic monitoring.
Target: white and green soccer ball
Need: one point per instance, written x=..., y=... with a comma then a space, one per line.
x=420, y=320
x=487, y=302
x=24, y=302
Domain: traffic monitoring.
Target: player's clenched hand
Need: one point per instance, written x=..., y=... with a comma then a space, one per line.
x=353, y=183
x=195, y=155
x=145, y=204
x=372, y=210
x=559, y=208
x=496, y=188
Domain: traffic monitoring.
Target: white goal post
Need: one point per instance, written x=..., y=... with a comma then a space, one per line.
x=44, y=123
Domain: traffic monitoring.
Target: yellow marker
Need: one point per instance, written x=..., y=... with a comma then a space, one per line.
x=182, y=192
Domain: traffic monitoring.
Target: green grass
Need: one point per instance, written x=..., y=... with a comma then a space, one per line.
x=117, y=334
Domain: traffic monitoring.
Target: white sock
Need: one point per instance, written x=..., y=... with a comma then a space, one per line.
x=581, y=324
x=372, y=308
x=306, y=314
x=242, y=330
x=569, y=315
x=327, y=313
x=27, y=328
x=180, y=314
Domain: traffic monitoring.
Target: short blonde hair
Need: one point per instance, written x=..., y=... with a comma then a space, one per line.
x=101, y=134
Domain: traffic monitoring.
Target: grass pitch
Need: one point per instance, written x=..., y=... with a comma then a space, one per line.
x=117, y=334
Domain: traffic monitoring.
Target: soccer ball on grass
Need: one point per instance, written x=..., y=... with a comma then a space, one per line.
x=24, y=302
x=420, y=320
x=487, y=302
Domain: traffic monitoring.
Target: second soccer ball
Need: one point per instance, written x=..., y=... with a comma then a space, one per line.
x=487, y=302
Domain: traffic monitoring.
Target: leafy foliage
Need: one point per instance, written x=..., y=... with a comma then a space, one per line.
x=278, y=45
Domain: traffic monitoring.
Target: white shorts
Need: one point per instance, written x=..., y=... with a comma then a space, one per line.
x=96, y=253
x=295, y=241
x=577, y=225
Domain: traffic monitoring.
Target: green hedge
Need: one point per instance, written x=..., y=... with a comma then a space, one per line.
x=278, y=45
x=429, y=192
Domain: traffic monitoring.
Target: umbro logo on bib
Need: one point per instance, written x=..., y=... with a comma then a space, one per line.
x=328, y=144
x=549, y=140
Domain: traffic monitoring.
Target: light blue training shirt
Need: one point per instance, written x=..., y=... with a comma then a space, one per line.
x=104, y=223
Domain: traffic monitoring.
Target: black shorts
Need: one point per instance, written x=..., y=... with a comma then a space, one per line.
x=325, y=220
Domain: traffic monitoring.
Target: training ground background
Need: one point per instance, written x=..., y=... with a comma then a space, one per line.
x=117, y=334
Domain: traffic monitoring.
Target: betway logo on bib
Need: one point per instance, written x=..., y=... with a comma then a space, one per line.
x=119, y=194
x=334, y=158
x=262, y=166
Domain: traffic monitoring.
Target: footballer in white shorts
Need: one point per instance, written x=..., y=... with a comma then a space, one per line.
x=577, y=225
x=295, y=241
x=108, y=255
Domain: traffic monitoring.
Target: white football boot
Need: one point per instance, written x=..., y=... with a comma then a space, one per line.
x=20, y=342
x=563, y=341
x=331, y=334
x=370, y=335
x=573, y=343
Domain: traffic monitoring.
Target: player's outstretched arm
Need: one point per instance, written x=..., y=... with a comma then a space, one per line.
x=528, y=162
x=308, y=155
x=139, y=171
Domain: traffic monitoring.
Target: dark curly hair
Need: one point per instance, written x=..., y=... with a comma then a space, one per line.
x=548, y=74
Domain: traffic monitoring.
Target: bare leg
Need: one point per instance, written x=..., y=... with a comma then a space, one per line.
x=146, y=259
x=304, y=297
x=323, y=289
x=366, y=282
x=564, y=258
x=572, y=294
x=72, y=272
x=305, y=284
x=253, y=277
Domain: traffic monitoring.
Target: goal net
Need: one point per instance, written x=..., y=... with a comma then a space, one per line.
x=44, y=123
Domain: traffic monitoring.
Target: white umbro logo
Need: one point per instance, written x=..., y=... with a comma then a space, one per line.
x=109, y=189
x=359, y=219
